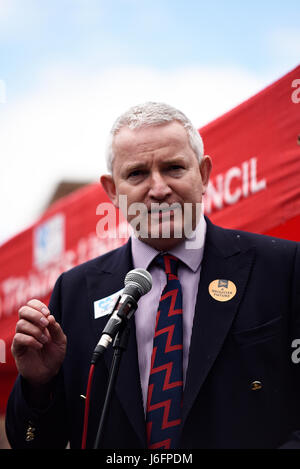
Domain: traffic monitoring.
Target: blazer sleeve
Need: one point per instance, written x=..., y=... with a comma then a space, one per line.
x=294, y=440
x=29, y=427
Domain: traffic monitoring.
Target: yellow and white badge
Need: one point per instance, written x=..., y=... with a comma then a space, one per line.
x=105, y=306
x=222, y=290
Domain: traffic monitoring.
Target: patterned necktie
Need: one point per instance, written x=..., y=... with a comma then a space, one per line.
x=163, y=416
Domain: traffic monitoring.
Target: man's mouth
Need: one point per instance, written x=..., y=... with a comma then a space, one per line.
x=163, y=208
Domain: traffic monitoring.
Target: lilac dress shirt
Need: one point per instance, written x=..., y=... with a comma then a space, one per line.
x=190, y=253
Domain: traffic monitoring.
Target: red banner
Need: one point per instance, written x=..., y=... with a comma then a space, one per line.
x=255, y=150
x=256, y=155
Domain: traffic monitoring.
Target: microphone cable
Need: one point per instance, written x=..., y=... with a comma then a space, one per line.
x=87, y=406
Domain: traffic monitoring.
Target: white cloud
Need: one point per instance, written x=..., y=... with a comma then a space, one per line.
x=59, y=130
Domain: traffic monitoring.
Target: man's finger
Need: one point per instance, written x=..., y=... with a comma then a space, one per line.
x=56, y=331
x=34, y=316
x=38, y=305
x=25, y=327
x=21, y=342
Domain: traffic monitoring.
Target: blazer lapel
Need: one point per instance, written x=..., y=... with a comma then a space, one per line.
x=104, y=280
x=213, y=318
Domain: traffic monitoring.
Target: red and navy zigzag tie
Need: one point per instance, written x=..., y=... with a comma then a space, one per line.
x=163, y=415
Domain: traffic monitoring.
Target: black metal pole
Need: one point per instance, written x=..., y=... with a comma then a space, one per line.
x=120, y=344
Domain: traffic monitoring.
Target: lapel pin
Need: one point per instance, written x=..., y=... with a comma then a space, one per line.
x=222, y=290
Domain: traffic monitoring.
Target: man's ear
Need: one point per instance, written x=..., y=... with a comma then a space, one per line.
x=109, y=186
x=205, y=170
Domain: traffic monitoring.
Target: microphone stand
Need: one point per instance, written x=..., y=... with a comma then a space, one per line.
x=120, y=344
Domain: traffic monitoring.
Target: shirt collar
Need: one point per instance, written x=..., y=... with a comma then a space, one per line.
x=190, y=251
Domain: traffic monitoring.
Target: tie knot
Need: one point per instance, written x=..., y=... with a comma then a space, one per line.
x=168, y=262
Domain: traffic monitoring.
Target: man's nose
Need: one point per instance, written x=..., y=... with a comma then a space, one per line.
x=159, y=189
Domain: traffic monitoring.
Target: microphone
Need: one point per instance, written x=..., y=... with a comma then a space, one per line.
x=137, y=282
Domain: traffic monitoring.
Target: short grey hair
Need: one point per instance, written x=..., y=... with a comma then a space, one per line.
x=148, y=114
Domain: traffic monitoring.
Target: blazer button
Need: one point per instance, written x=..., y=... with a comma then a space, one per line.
x=30, y=432
x=256, y=385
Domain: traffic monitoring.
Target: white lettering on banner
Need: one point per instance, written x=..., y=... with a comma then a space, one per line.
x=15, y=291
x=255, y=185
x=245, y=173
x=296, y=94
x=220, y=192
x=232, y=198
x=2, y=351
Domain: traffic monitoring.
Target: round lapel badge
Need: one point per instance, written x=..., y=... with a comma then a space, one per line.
x=222, y=290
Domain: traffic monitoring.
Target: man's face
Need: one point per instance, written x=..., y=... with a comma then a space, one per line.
x=156, y=165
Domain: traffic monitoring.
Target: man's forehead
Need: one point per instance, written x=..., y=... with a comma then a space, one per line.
x=171, y=133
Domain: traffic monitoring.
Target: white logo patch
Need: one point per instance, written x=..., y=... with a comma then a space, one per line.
x=105, y=306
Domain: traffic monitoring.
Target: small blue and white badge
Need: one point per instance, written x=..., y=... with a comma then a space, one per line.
x=105, y=306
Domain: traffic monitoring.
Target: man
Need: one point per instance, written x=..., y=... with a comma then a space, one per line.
x=218, y=373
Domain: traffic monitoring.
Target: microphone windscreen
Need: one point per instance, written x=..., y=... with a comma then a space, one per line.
x=141, y=278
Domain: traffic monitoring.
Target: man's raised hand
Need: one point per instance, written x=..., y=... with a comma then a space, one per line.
x=39, y=345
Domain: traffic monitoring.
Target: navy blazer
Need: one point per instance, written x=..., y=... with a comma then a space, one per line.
x=234, y=344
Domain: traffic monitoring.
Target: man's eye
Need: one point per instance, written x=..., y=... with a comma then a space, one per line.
x=134, y=174
x=175, y=167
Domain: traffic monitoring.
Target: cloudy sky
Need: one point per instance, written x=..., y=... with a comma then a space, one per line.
x=68, y=68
